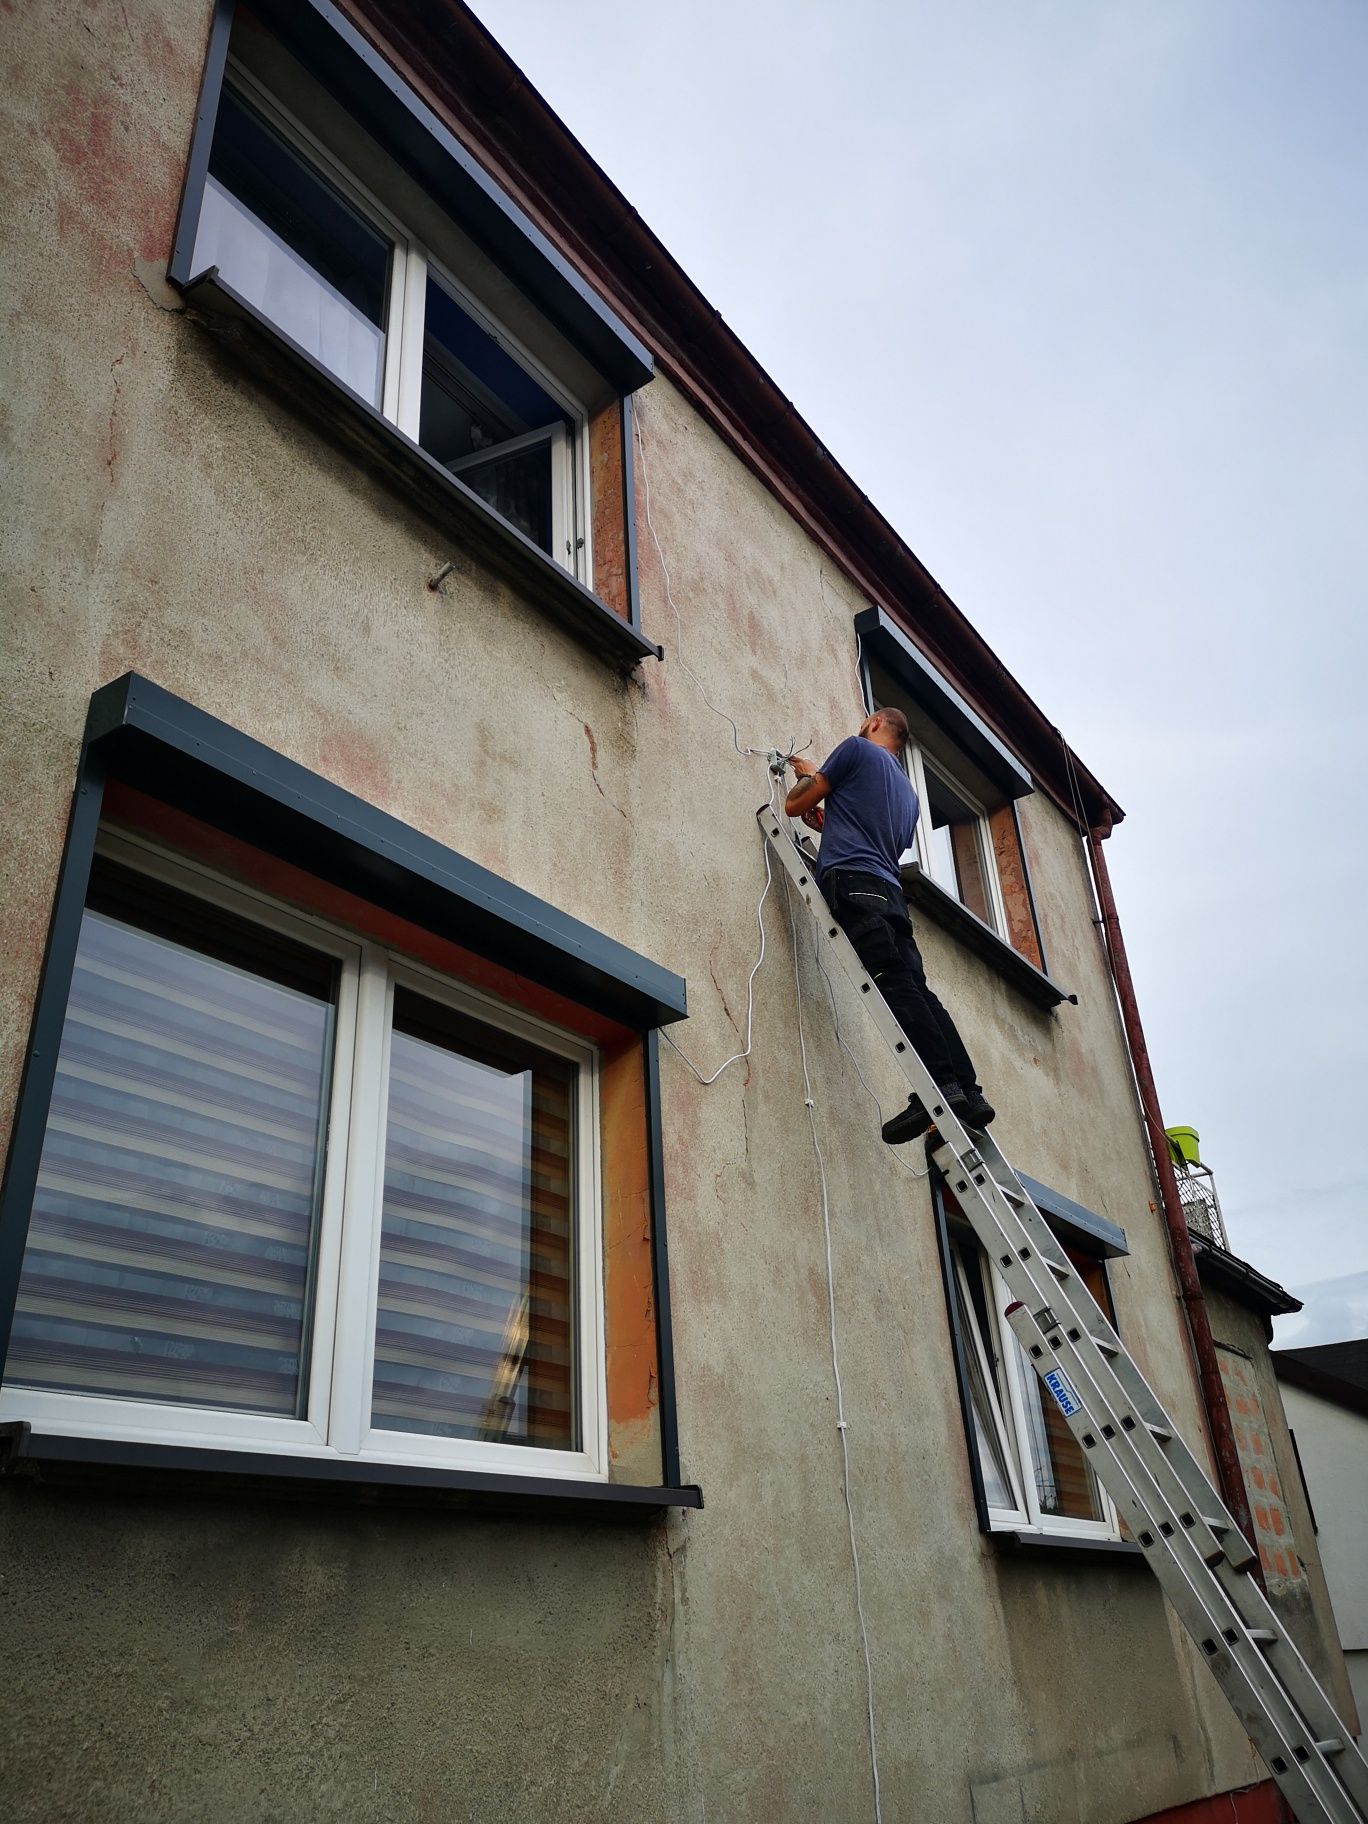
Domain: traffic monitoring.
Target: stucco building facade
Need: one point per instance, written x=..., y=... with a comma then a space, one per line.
x=370, y=1454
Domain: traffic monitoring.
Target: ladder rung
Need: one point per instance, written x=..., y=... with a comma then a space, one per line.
x=1107, y=1346
x=1263, y=1637
x=1160, y=1433
x=1331, y=1745
x=1060, y=1273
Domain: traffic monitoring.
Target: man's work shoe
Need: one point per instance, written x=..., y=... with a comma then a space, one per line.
x=972, y=1107
x=907, y=1124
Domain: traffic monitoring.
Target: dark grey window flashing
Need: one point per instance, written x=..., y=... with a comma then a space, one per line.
x=1074, y=1222
x=421, y=481
x=53, y=1458
x=186, y=758
x=141, y=734
x=942, y=702
x=944, y=909
x=330, y=47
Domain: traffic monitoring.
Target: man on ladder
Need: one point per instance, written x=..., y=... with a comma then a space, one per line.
x=867, y=824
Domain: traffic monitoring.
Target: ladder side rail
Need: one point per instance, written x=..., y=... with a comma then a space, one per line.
x=1137, y=1388
x=1289, y=1734
x=1309, y=1695
x=1003, y=1235
x=1129, y=1441
x=1140, y=1473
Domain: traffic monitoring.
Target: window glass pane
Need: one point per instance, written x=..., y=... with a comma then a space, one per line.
x=285, y=239
x=954, y=843
x=517, y=485
x=475, y=1322
x=1065, y=1486
x=171, y=1248
x=477, y=399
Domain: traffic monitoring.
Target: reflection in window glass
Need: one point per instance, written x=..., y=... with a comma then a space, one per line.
x=286, y=241
x=954, y=845
x=174, y=1227
x=1065, y=1485
x=488, y=421
x=474, y=1322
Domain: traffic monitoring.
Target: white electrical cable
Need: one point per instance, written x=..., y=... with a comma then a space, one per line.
x=750, y=981
x=749, y=753
x=745, y=752
x=841, y=1426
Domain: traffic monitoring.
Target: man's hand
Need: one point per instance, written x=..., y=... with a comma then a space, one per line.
x=808, y=793
x=814, y=819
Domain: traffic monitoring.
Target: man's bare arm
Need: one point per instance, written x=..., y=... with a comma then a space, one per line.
x=809, y=792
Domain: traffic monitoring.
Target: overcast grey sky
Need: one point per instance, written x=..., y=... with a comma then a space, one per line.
x=1078, y=293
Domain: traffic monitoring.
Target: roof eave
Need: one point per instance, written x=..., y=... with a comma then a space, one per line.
x=465, y=74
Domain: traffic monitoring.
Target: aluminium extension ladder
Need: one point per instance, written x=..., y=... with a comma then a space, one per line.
x=1192, y=1544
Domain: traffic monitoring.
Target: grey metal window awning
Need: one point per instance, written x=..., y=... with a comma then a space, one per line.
x=881, y=639
x=1075, y=1222
x=138, y=732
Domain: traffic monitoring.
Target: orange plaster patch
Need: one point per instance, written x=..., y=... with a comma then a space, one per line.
x=629, y=1292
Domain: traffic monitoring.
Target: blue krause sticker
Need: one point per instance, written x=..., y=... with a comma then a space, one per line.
x=1061, y=1387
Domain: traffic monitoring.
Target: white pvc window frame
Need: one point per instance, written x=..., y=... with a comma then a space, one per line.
x=342, y=1353
x=1010, y=1413
x=919, y=763
x=411, y=265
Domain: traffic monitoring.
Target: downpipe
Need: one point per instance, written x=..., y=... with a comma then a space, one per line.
x=1179, y=1239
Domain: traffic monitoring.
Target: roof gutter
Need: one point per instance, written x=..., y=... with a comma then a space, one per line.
x=466, y=76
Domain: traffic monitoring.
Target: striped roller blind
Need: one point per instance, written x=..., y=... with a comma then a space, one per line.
x=474, y=1324
x=171, y=1247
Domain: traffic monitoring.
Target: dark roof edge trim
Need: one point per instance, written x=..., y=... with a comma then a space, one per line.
x=1096, y=1233
x=1315, y=1380
x=520, y=138
x=1230, y=1274
x=887, y=642
x=187, y=758
x=370, y=87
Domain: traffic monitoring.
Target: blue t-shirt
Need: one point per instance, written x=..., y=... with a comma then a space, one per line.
x=871, y=811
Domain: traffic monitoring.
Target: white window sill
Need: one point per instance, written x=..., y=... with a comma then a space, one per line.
x=1031, y=1539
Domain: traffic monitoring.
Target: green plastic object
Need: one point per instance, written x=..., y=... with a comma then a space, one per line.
x=1183, y=1141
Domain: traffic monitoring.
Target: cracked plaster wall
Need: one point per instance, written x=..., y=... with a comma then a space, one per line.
x=172, y=1659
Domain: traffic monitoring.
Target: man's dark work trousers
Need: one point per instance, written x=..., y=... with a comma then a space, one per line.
x=873, y=916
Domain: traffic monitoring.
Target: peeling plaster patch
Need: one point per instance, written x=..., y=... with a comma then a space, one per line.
x=151, y=275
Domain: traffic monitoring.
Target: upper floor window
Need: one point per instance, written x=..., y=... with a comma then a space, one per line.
x=954, y=844
x=336, y=265
x=954, y=840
